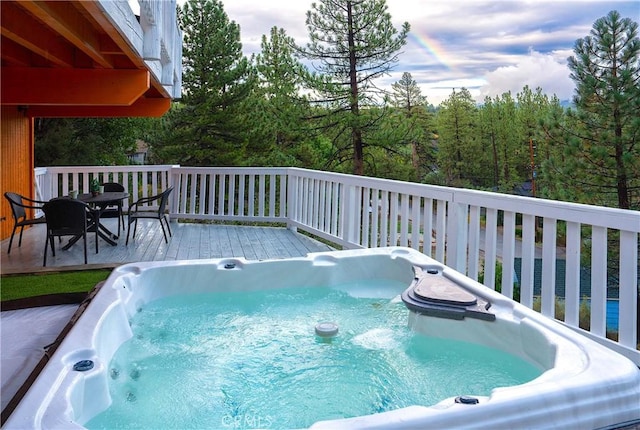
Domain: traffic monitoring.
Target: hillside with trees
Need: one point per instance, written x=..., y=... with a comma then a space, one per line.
x=318, y=106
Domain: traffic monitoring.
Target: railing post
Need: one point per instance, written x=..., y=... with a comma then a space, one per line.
x=548, y=293
x=598, y=324
x=508, y=253
x=291, y=204
x=628, y=315
x=572, y=275
x=42, y=182
x=174, y=198
x=457, y=236
x=490, y=245
x=349, y=214
x=527, y=265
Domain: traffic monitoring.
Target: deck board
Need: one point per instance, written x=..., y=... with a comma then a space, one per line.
x=189, y=241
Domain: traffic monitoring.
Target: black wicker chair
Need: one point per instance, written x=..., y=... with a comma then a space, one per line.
x=141, y=209
x=65, y=217
x=19, y=205
x=113, y=209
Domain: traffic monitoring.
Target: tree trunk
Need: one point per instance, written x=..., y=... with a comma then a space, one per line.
x=415, y=158
x=356, y=132
x=621, y=173
x=496, y=167
x=358, y=157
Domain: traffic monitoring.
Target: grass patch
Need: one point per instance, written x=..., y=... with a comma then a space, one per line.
x=21, y=286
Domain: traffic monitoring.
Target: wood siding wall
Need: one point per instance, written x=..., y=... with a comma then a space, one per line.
x=16, y=162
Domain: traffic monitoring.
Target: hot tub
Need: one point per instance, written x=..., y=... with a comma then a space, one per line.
x=582, y=385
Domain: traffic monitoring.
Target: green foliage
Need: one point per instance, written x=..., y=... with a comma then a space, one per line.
x=274, y=113
x=507, y=128
x=406, y=93
x=412, y=121
x=351, y=43
x=207, y=129
x=498, y=281
x=459, y=148
x=597, y=145
x=95, y=185
x=87, y=141
x=533, y=107
x=584, y=318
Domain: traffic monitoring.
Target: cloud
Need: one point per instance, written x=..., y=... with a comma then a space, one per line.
x=534, y=70
x=487, y=46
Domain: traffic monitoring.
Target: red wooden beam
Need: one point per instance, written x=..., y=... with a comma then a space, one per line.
x=69, y=23
x=75, y=87
x=141, y=108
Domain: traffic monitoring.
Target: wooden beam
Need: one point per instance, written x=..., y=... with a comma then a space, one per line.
x=69, y=23
x=14, y=55
x=141, y=108
x=19, y=27
x=75, y=87
x=94, y=9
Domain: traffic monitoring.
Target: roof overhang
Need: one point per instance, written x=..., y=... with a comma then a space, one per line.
x=89, y=58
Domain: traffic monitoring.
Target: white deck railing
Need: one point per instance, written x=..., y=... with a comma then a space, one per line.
x=471, y=231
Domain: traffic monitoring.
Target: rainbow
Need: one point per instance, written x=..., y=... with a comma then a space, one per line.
x=433, y=47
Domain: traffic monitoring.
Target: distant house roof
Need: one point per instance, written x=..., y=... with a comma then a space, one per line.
x=141, y=146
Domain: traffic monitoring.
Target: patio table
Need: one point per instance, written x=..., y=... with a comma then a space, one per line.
x=97, y=204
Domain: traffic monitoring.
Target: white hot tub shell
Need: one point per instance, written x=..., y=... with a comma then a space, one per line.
x=583, y=385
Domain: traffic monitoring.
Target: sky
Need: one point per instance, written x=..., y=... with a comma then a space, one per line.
x=488, y=47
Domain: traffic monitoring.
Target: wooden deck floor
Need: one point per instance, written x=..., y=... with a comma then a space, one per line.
x=189, y=241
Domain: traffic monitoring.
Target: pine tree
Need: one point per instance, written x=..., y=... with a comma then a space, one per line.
x=601, y=138
x=407, y=96
x=489, y=119
x=458, y=147
x=206, y=128
x=407, y=93
x=352, y=42
x=532, y=109
x=275, y=111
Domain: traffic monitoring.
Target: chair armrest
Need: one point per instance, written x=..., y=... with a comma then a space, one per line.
x=38, y=204
x=143, y=200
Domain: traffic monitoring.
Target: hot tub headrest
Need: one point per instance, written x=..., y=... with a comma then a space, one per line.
x=431, y=293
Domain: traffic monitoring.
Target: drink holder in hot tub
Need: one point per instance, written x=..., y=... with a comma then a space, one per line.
x=433, y=294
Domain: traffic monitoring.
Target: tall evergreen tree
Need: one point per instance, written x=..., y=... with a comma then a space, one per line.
x=458, y=147
x=489, y=120
x=533, y=107
x=407, y=96
x=512, y=144
x=601, y=138
x=275, y=111
x=207, y=128
x=406, y=93
x=352, y=42
x=509, y=128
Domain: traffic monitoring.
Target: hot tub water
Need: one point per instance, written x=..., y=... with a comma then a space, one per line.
x=208, y=360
